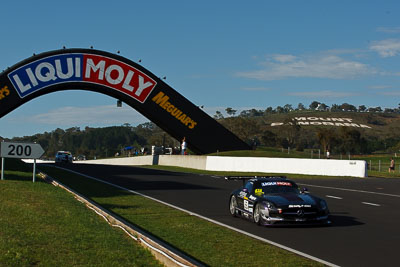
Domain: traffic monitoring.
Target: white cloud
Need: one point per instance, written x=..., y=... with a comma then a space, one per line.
x=256, y=89
x=386, y=48
x=284, y=58
x=380, y=86
x=323, y=94
x=389, y=29
x=95, y=115
x=279, y=67
x=393, y=93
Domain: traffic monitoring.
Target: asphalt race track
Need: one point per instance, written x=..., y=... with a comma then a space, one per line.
x=365, y=212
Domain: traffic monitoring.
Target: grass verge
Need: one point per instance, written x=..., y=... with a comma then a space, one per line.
x=42, y=225
x=209, y=243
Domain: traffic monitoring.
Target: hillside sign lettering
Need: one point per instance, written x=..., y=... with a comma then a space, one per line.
x=319, y=121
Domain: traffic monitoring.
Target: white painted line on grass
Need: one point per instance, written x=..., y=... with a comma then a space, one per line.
x=210, y=220
x=371, y=204
x=334, y=197
x=351, y=190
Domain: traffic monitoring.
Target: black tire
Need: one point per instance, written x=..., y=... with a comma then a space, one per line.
x=233, y=206
x=257, y=214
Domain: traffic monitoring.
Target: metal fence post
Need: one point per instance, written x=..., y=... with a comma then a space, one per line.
x=34, y=170
x=2, y=166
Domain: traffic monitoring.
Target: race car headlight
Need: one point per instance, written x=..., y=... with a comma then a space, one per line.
x=323, y=205
x=268, y=205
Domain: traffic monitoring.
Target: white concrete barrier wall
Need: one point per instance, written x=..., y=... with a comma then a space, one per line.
x=142, y=160
x=193, y=162
x=357, y=168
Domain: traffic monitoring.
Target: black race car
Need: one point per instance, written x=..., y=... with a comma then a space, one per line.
x=275, y=200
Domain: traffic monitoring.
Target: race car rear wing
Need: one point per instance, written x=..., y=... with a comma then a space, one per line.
x=245, y=178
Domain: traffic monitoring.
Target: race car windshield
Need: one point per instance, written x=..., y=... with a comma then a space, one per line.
x=279, y=187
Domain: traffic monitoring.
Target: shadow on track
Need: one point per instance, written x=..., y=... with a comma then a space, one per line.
x=340, y=220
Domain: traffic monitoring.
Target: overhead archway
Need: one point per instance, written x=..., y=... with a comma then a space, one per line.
x=121, y=78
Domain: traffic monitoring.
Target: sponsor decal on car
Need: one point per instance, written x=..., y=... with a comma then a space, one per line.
x=162, y=100
x=258, y=192
x=299, y=206
x=276, y=183
x=242, y=194
x=252, y=197
x=4, y=92
x=77, y=67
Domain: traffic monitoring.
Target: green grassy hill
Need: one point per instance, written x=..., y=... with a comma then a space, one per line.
x=356, y=132
x=340, y=132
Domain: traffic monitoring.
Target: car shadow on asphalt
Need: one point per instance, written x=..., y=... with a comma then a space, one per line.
x=340, y=219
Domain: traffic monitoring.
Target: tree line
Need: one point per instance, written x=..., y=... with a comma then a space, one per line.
x=101, y=142
x=314, y=106
x=250, y=125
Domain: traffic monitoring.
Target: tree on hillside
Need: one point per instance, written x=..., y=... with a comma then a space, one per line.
x=362, y=108
x=218, y=115
x=230, y=111
x=335, y=108
x=350, y=140
x=376, y=109
x=326, y=138
x=322, y=107
x=269, y=110
x=269, y=138
x=244, y=128
x=287, y=108
x=300, y=106
x=290, y=131
x=314, y=105
x=280, y=109
x=347, y=107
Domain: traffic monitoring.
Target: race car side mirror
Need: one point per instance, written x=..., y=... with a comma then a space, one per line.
x=304, y=190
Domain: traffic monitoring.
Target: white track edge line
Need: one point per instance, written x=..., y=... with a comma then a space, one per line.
x=333, y=197
x=114, y=225
x=211, y=220
x=371, y=204
x=351, y=190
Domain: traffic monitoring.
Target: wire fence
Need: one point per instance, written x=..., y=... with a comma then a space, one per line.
x=381, y=166
x=374, y=164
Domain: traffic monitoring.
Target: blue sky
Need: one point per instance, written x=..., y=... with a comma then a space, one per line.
x=240, y=54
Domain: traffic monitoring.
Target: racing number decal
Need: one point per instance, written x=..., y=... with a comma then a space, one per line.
x=246, y=205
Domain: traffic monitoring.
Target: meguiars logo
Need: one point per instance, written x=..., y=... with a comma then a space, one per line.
x=82, y=68
x=162, y=100
x=4, y=92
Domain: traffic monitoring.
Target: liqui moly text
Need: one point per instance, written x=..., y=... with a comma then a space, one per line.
x=82, y=68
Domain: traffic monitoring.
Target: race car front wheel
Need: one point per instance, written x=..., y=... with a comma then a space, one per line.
x=233, y=206
x=257, y=214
